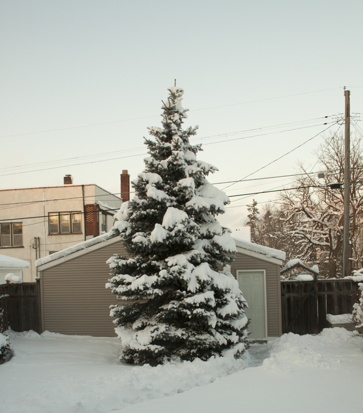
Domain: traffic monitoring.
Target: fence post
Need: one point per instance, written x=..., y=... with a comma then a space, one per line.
x=4, y=320
x=315, y=312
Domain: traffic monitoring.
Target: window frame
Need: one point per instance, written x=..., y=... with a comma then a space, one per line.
x=12, y=235
x=104, y=216
x=67, y=226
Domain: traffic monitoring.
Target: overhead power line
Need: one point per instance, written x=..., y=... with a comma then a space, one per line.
x=76, y=164
x=280, y=157
x=264, y=134
x=275, y=177
x=150, y=117
x=337, y=185
x=44, y=216
x=128, y=156
x=278, y=190
x=333, y=186
x=73, y=158
x=75, y=127
x=7, y=205
x=268, y=99
x=40, y=201
x=275, y=126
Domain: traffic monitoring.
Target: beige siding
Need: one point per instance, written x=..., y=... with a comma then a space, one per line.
x=75, y=301
x=74, y=298
x=273, y=289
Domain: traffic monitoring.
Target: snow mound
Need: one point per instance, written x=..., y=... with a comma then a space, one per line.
x=339, y=319
x=304, y=277
x=292, y=351
x=25, y=334
x=13, y=278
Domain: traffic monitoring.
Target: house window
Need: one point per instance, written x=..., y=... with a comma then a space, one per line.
x=104, y=223
x=64, y=223
x=11, y=234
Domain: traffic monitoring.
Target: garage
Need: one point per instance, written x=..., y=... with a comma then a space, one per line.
x=74, y=299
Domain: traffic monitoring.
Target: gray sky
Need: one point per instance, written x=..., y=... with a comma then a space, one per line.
x=81, y=80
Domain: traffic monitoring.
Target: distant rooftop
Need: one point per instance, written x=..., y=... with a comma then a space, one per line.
x=10, y=262
x=58, y=186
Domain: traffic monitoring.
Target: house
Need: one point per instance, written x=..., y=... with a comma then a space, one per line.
x=74, y=299
x=11, y=267
x=36, y=222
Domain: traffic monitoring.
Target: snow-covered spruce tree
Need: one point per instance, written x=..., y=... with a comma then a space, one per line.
x=185, y=303
x=6, y=352
x=357, y=314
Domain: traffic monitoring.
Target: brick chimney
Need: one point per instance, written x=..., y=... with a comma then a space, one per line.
x=68, y=180
x=125, y=185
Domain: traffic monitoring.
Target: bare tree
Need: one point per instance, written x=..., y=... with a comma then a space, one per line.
x=316, y=209
x=270, y=228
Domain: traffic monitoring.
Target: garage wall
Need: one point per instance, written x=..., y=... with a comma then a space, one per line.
x=74, y=297
x=273, y=288
x=75, y=301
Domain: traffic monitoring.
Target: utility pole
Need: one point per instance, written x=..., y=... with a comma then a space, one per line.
x=346, y=223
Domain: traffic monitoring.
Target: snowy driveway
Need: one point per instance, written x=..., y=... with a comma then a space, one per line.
x=54, y=373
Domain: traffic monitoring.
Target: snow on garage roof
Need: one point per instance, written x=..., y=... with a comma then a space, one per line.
x=75, y=248
x=260, y=249
x=266, y=252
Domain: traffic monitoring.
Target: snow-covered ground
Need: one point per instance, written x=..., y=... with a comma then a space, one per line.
x=53, y=373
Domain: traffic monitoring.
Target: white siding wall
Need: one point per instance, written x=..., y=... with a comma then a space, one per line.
x=23, y=204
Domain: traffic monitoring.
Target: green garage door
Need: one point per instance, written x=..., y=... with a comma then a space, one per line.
x=253, y=286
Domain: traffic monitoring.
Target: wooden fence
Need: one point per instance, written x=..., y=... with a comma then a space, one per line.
x=20, y=307
x=305, y=304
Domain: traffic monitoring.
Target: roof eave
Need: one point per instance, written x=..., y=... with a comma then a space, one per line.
x=77, y=253
x=261, y=252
